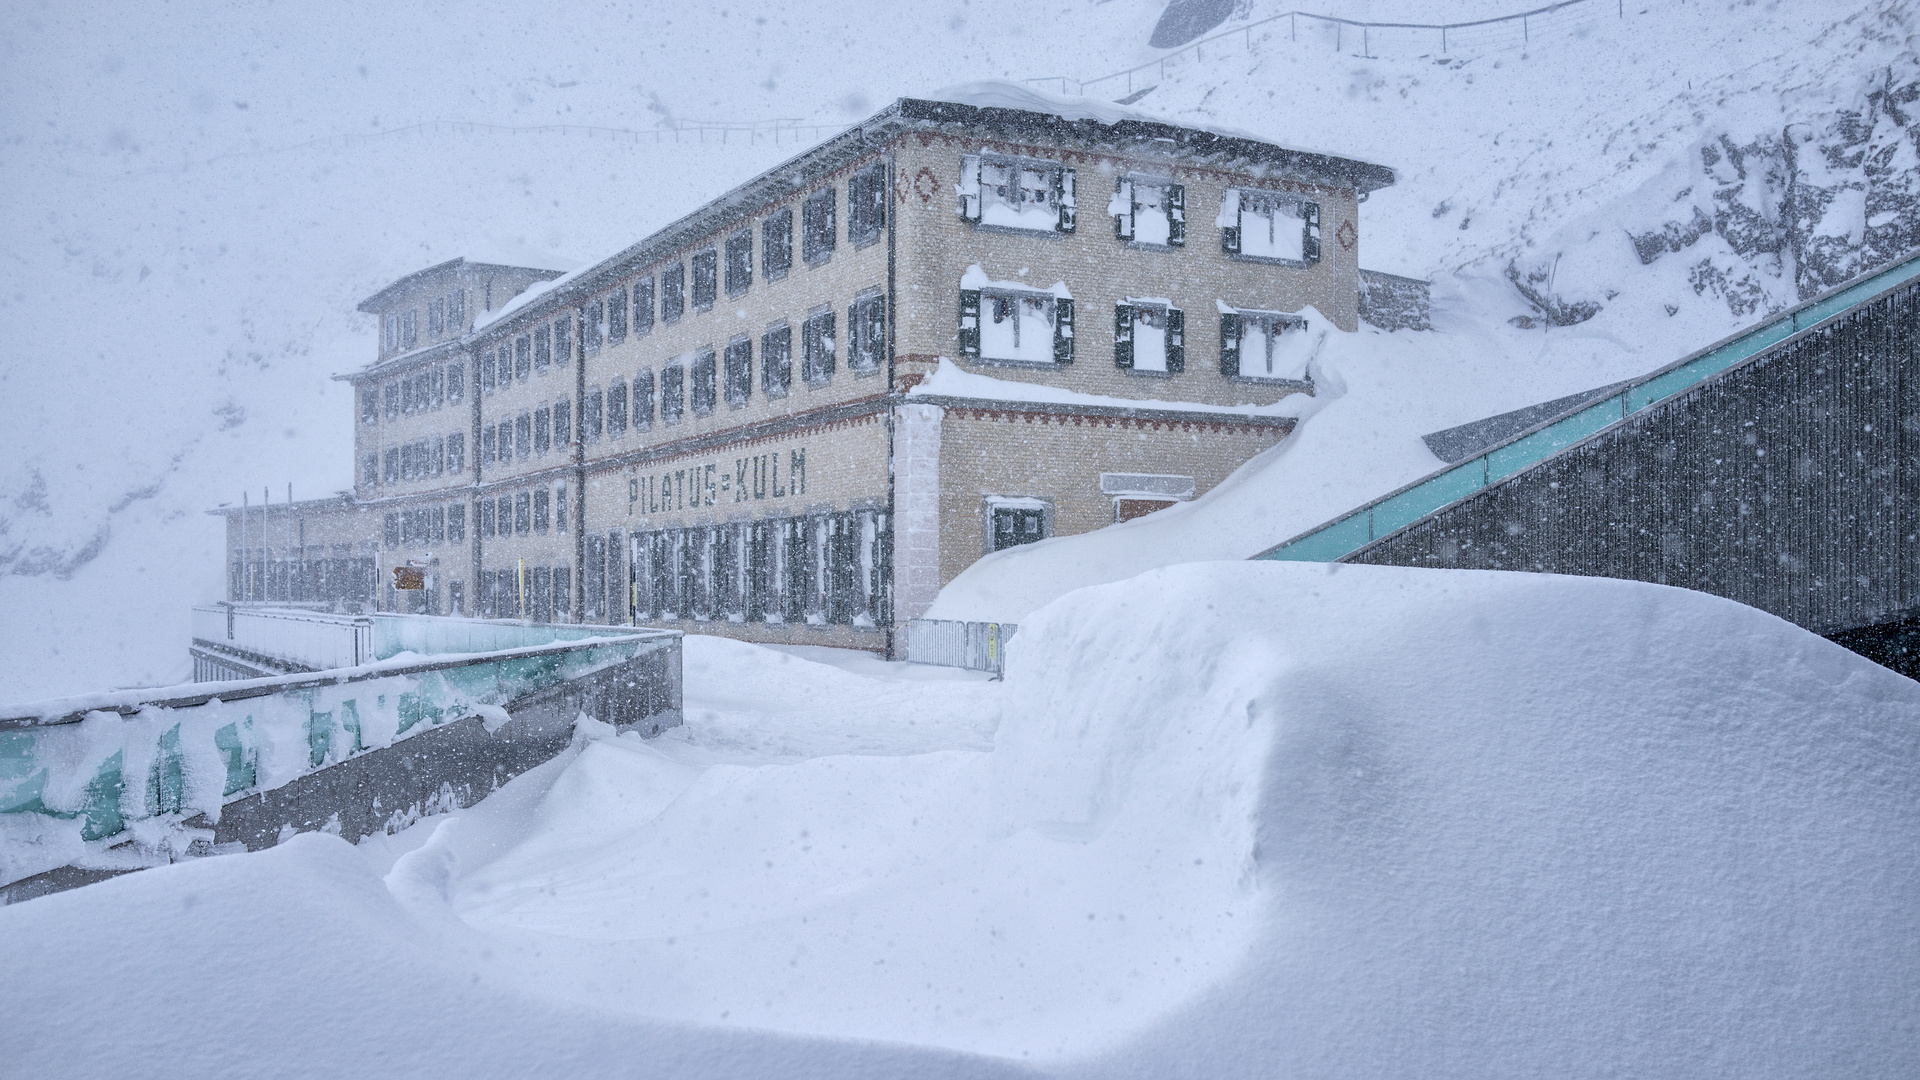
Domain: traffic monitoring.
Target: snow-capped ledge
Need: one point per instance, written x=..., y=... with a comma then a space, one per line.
x=949, y=381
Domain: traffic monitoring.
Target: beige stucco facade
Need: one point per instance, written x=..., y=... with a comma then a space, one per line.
x=826, y=506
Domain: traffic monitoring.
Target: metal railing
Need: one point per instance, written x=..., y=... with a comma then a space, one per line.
x=297, y=637
x=1348, y=533
x=976, y=646
x=1499, y=30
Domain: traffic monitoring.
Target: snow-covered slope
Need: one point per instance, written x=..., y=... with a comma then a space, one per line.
x=1221, y=820
x=1590, y=209
x=199, y=197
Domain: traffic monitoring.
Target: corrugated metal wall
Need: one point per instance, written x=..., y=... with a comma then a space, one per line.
x=1789, y=483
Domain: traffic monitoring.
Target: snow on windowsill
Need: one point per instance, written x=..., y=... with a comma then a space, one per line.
x=976, y=278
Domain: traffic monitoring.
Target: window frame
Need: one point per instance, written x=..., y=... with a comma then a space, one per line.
x=818, y=345
x=867, y=205
x=739, y=250
x=673, y=293
x=776, y=349
x=974, y=199
x=867, y=332
x=1173, y=207
x=703, y=391
x=705, y=286
x=1232, y=238
x=974, y=313
x=819, y=227
x=1173, y=336
x=643, y=312
x=737, y=376
x=776, y=237
x=673, y=391
x=1233, y=341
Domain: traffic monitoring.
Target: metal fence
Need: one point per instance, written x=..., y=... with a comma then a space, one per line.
x=1355, y=37
x=976, y=646
x=286, y=638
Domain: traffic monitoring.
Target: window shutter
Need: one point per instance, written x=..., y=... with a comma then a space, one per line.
x=970, y=188
x=1310, y=244
x=1122, y=336
x=1063, y=331
x=1176, y=341
x=1230, y=234
x=1176, y=214
x=1123, y=204
x=1229, y=343
x=1063, y=194
x=970, y=322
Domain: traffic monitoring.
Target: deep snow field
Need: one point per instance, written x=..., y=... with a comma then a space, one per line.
x=1223, y=819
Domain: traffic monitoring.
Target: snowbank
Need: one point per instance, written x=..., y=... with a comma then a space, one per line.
x=1235, y=820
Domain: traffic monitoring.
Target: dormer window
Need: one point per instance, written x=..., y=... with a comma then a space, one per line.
x=1016, y=193
x=1149, y=210
x=1270, y=225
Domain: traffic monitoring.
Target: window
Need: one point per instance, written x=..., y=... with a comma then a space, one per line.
x=369, y=406
x=1256, y=345
x=409, y=327
x=643, y=401
x=643, y=305
x=617, y=409
x=816, y=348
x=739, y=371
x=1016, y=326
x=391, y=470
x=437, y=457
x=457, y=452
x=866, y=332
x=523, y=513
x=506, y=441
x=487, y=371
x=542, y=431
x=673, y=293
x=390, y=397
x=1017, y=193
x=540, y=498
x=817, y=226
x=523, y=436
x=1149, y=335
x=436, y=317
x=457, y=522
x=390, y=332
x=704, y=281
x=484, y=519
x=456, y=382
x=488, y=445
x=867, y=204
x=440, y=377
x=456, y=311
x=1015, y=522
x=739, y=262
x=562, y=341
x=1270, y=225
x=592, y=322
x=672, y=393
x=560, y=508
x=776, y=360
x=542, y=347
x=437, y=524
x=1149, y=210
x=591, y=415
x=776, y=245
x=390, y=530
x=506, y=514
x=522, y=357
x=703, y=382
x=617, y=316
x=562, y=423
x=370, y=469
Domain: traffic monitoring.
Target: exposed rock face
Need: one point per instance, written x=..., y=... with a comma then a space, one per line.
x=1816, y=204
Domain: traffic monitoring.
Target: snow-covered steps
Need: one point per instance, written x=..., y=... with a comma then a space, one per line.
x=97, y=785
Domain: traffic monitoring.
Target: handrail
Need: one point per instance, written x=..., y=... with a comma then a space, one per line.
x=1247, y=29
x=130, y=702
x=1334, y=540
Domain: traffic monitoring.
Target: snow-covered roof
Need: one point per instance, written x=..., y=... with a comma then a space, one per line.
x=992, y=108
x=373, y=304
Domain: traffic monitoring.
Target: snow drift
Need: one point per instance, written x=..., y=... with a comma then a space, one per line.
x=1235, y=820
